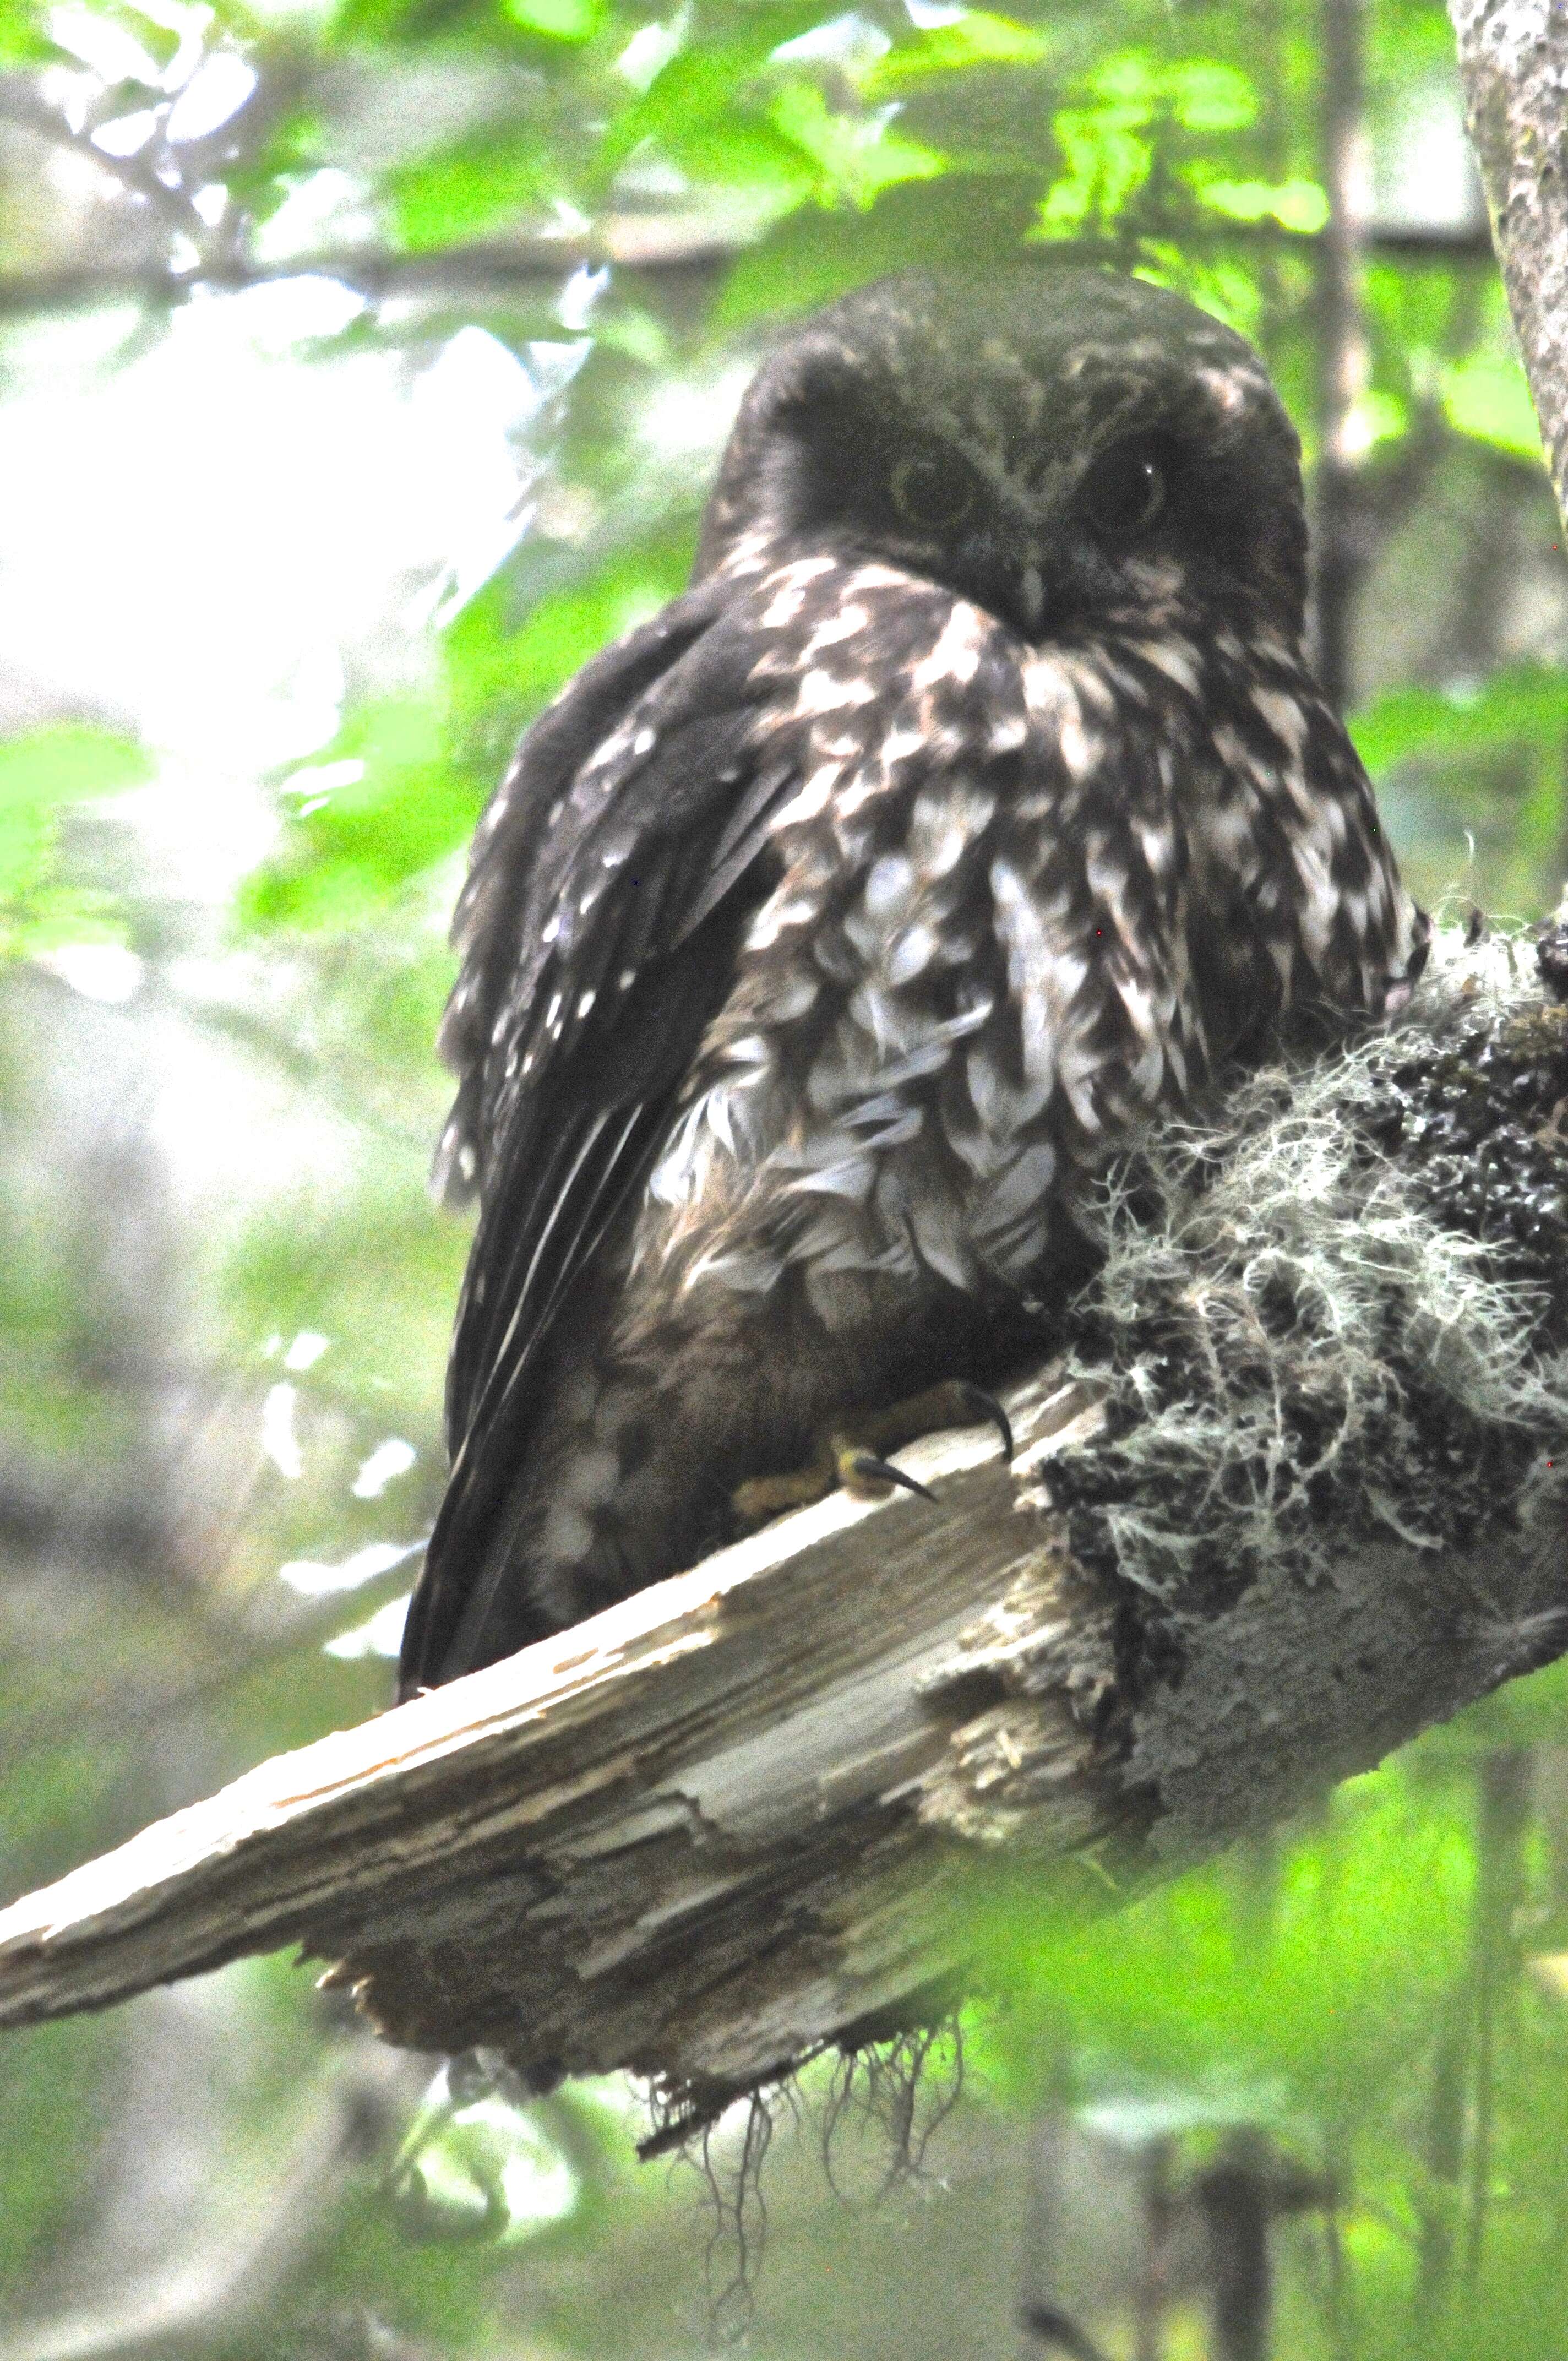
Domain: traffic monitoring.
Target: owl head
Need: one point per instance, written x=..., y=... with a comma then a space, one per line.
x=1064, y=447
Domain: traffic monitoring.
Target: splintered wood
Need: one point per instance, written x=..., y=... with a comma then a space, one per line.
x=725, y=1823
x=696, y=1835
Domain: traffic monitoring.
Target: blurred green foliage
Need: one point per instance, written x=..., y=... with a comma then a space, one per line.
x=42, y=777
x=1321, y=1988
x=627, y=202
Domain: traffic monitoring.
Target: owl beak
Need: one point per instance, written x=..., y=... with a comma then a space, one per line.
x=1032, y=597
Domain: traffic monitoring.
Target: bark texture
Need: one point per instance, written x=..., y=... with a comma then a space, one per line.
x=1513, y=55
x=733, y=1819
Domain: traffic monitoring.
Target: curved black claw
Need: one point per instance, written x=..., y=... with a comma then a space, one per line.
x=988, y=1411
x=865, y=1469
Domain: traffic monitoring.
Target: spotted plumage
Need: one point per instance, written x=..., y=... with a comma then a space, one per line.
x=831, y=929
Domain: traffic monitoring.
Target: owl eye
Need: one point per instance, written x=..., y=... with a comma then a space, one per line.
x=931, y=494
x=1126, y=490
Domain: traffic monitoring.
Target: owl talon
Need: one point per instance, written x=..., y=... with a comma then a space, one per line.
x=984, y=1410
x=955, y=1402
x=871, y=1478
x=852, y=1457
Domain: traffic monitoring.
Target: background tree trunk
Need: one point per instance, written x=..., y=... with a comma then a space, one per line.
x=1513, y=55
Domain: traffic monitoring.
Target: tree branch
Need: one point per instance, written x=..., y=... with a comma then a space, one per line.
x=643, y=251
x=1297, y=1502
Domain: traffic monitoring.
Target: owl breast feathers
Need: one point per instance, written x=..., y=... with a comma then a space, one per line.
x=830, y=930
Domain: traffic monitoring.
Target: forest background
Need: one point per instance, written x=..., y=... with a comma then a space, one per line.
x=361, y=370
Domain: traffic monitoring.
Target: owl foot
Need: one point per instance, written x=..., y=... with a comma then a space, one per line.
x=851, y=1458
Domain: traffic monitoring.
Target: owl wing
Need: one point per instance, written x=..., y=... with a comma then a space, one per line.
x=611, y=875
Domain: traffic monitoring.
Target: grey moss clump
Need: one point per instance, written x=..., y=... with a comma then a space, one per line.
x=1338, y=1309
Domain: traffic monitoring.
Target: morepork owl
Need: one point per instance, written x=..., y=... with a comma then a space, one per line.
x=831, y=931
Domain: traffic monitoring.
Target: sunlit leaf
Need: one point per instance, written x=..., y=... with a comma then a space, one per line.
x=705, y=109
x=41, y=776
x=1522, y=704
x=1205, y=94
x=855, y=159
x=379, y=810
x=1299, y=205
x=1130, y=81
x=1488, y=396
x=24, y=34
x=974, y=38
x=66, y=763
x=1217, y=283
x=1108, y=161
x=466, y=189
x=519, y=667
x=1133, y=107
x=558, y=20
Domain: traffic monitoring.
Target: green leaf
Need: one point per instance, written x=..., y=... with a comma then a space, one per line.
x=745, y=155
x=516, y=670
x=293, y=151
x=372, y=24
x=1416, y=310
x=1132, y=108
x=1130, y=82
x=467, y=188
x=975, y=38
x=41, y=776
x=855, y=159
x=558, y=20
x=378, y=809
x=1521, y=705
x=1108, y=162
x=706, y=107
x=1488, y=396
x=66, y=763
x=1205, y=94
x=1226, y=287
x=397, y=793
x=1299, y=205
x=24, y=35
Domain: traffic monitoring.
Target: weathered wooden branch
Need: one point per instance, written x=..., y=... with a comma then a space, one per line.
x=721, y=1824
x=732, y=1819
x=1513, y=55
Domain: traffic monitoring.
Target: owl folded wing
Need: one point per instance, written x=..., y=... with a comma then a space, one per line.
x=614, y=868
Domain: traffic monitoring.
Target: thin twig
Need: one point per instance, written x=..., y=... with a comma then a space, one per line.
x=644, y=253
